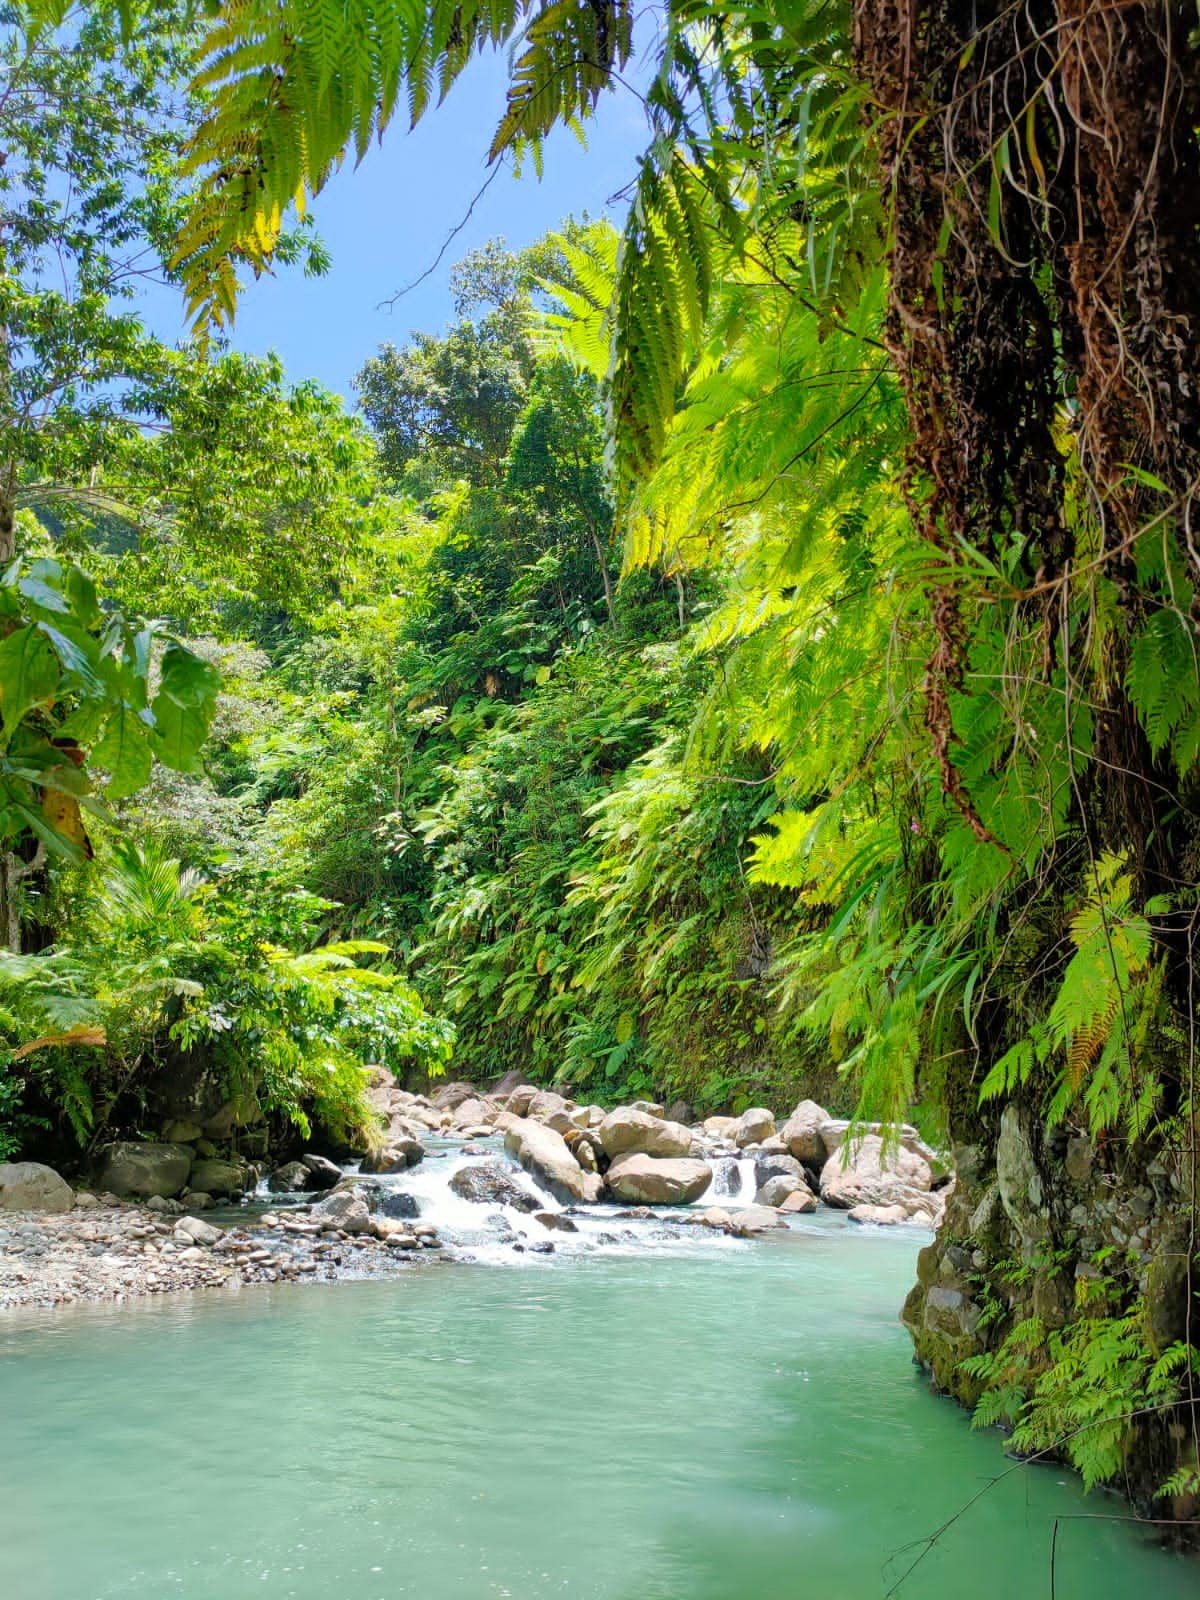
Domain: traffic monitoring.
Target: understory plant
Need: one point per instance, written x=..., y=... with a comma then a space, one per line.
x=161, y=963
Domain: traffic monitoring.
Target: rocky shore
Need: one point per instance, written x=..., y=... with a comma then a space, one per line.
x=115, y=1251
x=524, y=1166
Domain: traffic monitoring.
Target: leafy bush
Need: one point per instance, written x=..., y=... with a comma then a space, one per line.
x=161, y=962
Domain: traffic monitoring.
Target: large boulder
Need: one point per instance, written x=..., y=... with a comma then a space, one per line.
x=560, y=1121
x=780, y=1188
x=322, y=1173
x=221, y=1177
x=628, y=1131
x=473, y=1113
x=291, y=1178
x=509, y=1082
x=242, y=1111
x=451, y=1095
x=775, y=1166
x=883, y=1216
x=29, y=1186
x=180, y=1130
x=393, y=1203
x=145, y=1169
x=545, y=1103
x=396, y=1156
x=655, y=1181
x=754, y=1126
x=833, y=1136
x=345, y=1209
x=520, y=1099
x=721, y=1127
x=756, y=1219
x=492, y=1183
x=862, y=1174
x=801, y=1133
x=545, y=1154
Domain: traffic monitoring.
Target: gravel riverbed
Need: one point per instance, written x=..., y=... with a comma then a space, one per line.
x=115, y=1252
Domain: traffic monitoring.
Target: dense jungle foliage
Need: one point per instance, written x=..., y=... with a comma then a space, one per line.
x=757, y=652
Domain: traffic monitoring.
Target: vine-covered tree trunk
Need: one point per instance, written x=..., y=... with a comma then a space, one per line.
x=1044, y=173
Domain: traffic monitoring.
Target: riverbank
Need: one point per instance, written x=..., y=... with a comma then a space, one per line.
x=467, y=1174
x=117, y=1252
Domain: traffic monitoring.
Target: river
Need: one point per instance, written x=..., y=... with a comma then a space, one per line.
x=706, y=1420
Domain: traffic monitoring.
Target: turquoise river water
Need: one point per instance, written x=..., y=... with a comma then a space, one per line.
x=732, y=1422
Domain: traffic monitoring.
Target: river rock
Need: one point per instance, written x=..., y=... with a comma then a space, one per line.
x=798, y=1202
x=345, y=1210
x=221, y=1177
x=861, y=1174
x=802, y=1132
x=780, y=1188
x=833, y=1136
x=756, y=1219
x=145, y=1169
x=451, y=1095
x=656, y=1181
x=754, y=1126
x=511, y=1080
x=323, y=1173
x=680, y=1111
x=519, y=1100
x=193, y=1230
x=774, y=1146
x=181, y=1130
x=555, y=1220
x=546, y=1102
x=473, y=1113
x=775, y=1166
x=492, y=1183
x=585, y=1154
x=292, y=1178
x=394, y=1203
x=632, y=1131
x=720, y=1127
x=30, y=1186
x=880, y=1216
x=544, y=1153
x=239, y=1112
x=395, y=1157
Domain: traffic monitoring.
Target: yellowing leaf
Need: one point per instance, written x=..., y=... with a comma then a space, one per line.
x=62, y=813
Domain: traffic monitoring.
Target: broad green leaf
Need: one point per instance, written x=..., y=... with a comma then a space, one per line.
x=123, y=750
x=187, y=679
x=29, y=674
x=179, y=732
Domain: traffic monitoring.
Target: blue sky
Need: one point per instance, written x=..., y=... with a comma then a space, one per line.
x=385, y=222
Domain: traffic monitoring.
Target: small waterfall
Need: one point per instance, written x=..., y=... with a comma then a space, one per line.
x=726, y=1178
x=747, y=1181
x=471, y=1221
x=734, y=1179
